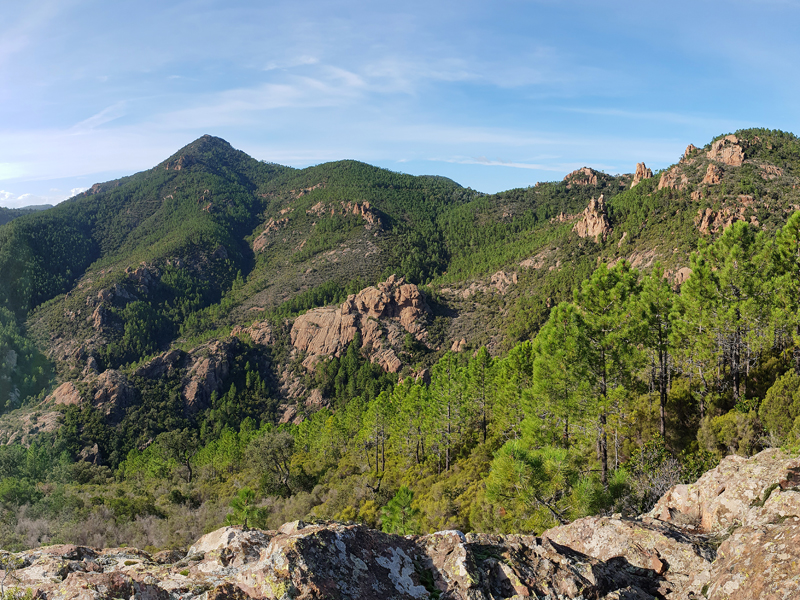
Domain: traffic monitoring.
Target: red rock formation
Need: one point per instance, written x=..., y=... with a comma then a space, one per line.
x=594, y=221
x=769, y=172
x=642, y=173
x=362, y=209
x=382, y=315
x=728, y=151
x=66, y=394
x=713, y=174
x=112, y=394
x=584, y=176
x=674, y=179
x=208, y=366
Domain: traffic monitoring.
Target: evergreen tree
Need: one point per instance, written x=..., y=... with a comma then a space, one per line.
x=607, y=326
x=399, y=516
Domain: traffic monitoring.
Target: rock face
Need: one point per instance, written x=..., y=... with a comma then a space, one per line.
x=642, y=172
x=594, y=221
x=113, y=394
x=206, y=373
x=584, y=176
x=673, y=179
x=66, y=394
x=383, y=315
x=713, y=175
x=728, y=151
x=732, y=535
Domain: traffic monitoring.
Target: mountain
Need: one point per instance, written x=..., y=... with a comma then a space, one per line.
x=366, y=330
x=9, y=214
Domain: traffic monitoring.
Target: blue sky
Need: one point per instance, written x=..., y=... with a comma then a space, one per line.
x=495, y=95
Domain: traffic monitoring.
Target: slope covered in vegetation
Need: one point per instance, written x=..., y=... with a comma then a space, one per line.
x=601, y=348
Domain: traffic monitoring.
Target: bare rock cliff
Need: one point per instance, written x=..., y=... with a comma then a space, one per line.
x=382, y=314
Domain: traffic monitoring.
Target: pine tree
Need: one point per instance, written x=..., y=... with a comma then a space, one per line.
x=399, y=516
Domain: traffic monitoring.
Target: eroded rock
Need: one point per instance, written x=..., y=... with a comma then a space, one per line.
x=674, y=179
x=594, y=222
x=727, y=150
x=642, y=173
x=382, y=314
x=584, y=176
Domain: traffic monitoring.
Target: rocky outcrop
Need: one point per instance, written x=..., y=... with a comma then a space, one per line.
x=727, y=150
x=584, y=176
x=261, y=332
x=642, y=173
x=690, y=149
x=273, y=226
x=673, y=179
x=206, y=371
x=681, y=560
x=112, y=394
x=711, y=221
x=502, y=281
x=732, y=535
x=332, y=560
x=362, y=209
x=594, y=222
x=713, y=174
x=733, y=493
x=382, y=314
x=66, y=394
x=770, y=172
x=162, y=365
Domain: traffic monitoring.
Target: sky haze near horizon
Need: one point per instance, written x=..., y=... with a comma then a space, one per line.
x=493, y=95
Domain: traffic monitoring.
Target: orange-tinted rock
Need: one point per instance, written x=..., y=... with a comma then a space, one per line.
x=728, y=151
x=112, y=393
x=769, y=172
x=594, y=223
x=208, y=367
x=642, y=173
x=382, y=314
x=262, y=241
x=66, y=394
x=713, y=175
x=584, y=176
x=673, y=179
x=260, y=332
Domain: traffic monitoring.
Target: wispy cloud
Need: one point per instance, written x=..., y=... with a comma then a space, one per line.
x=112, y=113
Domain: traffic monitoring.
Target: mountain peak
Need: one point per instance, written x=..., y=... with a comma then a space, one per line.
x=207, y=149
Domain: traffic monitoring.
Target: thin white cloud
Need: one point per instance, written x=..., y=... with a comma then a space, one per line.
x=112, y=113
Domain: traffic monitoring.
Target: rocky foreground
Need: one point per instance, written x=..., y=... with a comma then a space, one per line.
x=735, y=534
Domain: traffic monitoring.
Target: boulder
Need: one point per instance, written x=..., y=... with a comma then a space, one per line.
x=728, y=495
x=679, y=558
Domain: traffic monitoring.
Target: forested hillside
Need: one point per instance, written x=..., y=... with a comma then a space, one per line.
x=222, y=338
